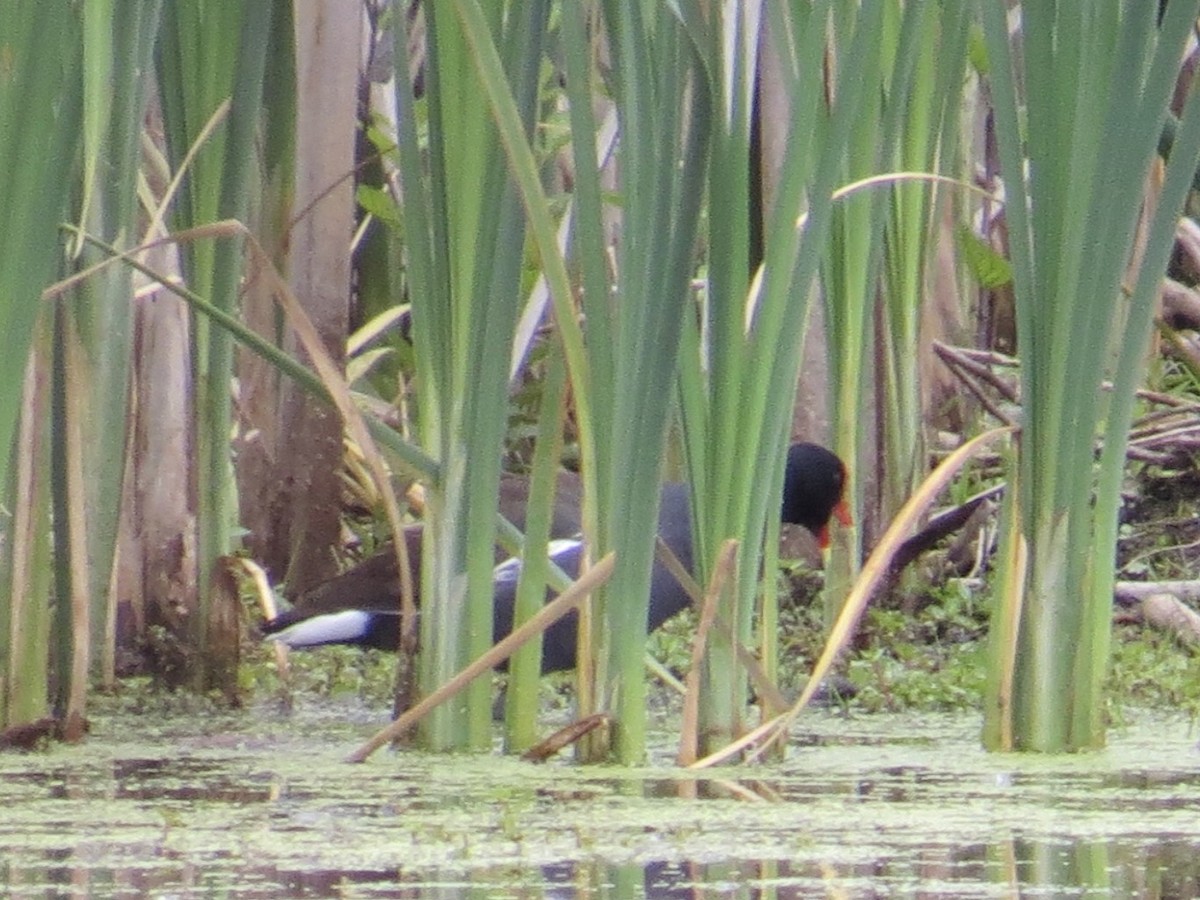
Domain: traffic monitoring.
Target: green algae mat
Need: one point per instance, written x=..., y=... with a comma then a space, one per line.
x=261, y=805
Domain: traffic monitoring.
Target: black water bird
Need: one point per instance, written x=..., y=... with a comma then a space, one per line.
x=361, y=606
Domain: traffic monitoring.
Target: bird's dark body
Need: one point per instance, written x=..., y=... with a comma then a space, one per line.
x=812, y=490
x=667, y=596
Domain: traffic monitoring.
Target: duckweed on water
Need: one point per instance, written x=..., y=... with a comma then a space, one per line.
x=260, y=805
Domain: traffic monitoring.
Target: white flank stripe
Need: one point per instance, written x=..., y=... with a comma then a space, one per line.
x=509, y=571
x=562, y=546
x=327, y=629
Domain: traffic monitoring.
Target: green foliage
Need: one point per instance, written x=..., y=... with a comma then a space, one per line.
x=933, y=660
x=324, y=673
x=672, y=644
x=379, y=203
x=143, y=697
x=1150, y=669
x=40, y=122
x=739, y=365
x=476, y=164
x=904, y=666
x=463, y=248
x=910, y=677
x=1079, y=97
x=209, y=55
x=989, y=268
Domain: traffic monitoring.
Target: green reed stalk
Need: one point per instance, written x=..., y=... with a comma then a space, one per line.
x=464, y=246
x=118, y=46
x=41, y=92
x=738, y=376
x=206, y=54
x=924, y=108
x=524, y=668
x=1078, y=113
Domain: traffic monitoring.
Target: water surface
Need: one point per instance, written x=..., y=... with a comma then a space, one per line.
x=258, y=805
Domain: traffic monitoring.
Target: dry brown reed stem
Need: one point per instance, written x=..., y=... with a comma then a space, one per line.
x=535, y=625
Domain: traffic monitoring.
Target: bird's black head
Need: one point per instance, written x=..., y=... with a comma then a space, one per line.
x=812, y=489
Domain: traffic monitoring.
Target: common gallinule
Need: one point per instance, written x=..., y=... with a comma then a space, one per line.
x=360, y=606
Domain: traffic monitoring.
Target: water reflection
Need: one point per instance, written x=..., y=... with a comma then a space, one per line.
x=1161, y=869
x=283, y=817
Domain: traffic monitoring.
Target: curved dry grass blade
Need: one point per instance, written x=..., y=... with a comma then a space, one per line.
x=267, y=604
x=664, y=675
x=565, y=736
x=158, y=216
x=546, y=616
x=872, y=574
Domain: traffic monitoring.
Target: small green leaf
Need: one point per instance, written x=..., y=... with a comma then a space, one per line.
x=378, y=203
x=986, y=266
